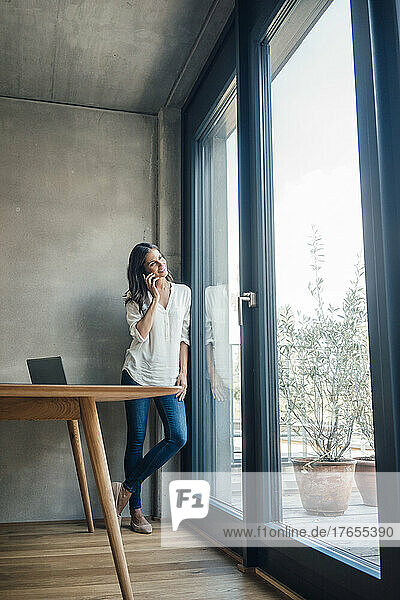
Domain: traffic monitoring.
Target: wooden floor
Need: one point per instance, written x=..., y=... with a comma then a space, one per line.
x=54, y=561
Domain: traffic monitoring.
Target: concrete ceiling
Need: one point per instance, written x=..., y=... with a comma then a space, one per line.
x=123, y=55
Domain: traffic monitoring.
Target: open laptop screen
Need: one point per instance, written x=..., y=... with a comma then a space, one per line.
x=47, y=370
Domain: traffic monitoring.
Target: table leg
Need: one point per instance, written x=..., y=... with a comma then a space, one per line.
x=94, y=440
x=73, y=430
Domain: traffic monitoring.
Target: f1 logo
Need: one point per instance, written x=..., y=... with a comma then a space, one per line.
x=189, y=499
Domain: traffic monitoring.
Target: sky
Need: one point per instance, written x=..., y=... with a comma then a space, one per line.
x=233, y=238
x=315, y=161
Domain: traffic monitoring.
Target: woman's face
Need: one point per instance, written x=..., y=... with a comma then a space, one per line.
x=155, y=263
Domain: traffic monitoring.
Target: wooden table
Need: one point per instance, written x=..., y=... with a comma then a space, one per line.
x=71, y=403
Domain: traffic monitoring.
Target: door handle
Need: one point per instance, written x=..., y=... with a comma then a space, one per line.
x=249, y=297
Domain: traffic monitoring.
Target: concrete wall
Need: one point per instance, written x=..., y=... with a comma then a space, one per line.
x=78, y=190
x=169, y=187
x=169, y=240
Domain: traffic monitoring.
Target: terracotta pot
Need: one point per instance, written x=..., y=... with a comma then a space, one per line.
x=325, y=488
x=365, y=477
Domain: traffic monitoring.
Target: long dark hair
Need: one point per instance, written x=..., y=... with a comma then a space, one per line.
x=137, y=286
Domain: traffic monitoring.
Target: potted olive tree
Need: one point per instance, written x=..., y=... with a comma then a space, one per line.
x=323, y=380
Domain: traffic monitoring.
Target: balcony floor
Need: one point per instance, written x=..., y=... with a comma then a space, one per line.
x=294, y=515
x=357, y=515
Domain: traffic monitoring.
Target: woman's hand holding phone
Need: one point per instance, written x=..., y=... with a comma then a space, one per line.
x=151, y=280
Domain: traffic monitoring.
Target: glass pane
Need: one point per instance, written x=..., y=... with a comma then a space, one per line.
x=323, y=358
x=222, y=441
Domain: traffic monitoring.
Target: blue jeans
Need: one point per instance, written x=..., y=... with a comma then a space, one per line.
x=139, y=467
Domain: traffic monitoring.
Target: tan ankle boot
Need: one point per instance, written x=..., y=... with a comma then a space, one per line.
x=121, y=498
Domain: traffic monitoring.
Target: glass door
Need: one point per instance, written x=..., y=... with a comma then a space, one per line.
x=326, y=430
x=217, y=180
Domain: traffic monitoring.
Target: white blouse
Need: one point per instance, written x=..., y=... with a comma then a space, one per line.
x=154, y=360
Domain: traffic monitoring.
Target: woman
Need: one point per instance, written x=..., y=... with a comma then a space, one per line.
x=158, y=315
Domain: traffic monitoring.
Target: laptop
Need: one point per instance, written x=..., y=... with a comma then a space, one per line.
x=47, y=371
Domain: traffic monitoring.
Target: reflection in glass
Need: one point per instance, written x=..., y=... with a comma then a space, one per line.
x=221, y=380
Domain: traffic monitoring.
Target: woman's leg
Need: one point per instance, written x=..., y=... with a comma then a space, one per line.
x=136, y=419
x=173, y=415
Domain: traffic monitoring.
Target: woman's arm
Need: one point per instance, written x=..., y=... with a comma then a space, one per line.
x=146, y=322
x=184, y=349
x=182, y=377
